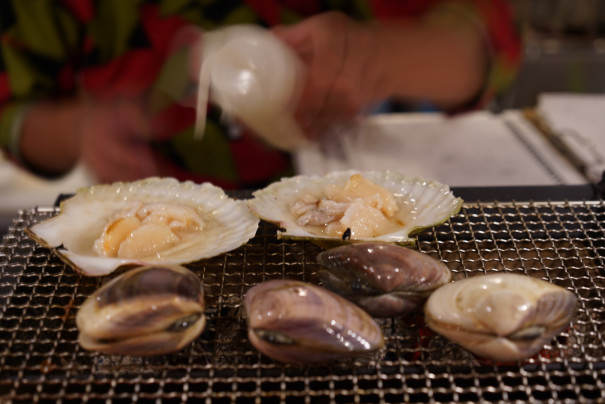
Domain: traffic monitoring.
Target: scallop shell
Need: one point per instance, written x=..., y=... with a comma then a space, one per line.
x=423, y=203
x=228, y=223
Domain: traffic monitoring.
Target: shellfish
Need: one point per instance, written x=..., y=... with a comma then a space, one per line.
x=149, y=310
x=502, y=317
x=156, y=220
x=354, y=206
x=384, y=279
x=297, y=322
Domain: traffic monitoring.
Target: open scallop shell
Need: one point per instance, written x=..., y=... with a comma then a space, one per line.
x=423, y=203
x=83, y=218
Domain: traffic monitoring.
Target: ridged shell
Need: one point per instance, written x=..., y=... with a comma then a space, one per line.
x=425, y=203
x=502, y=317
x=83, y=218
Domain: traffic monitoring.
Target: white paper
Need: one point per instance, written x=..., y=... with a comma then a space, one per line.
x=474, y=149
x=22, y=190
x=579, y=122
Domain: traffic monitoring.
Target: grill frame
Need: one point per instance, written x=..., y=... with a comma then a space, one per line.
x=562, y=242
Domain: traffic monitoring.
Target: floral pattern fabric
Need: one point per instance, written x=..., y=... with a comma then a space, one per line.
x=126, y=48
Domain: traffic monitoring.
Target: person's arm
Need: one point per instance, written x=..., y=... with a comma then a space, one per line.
x=452, y=54
x=36, y=52
x=54, y=114
x=109, y=137
x=352, y=64
x=49, y=141
x=427, y=61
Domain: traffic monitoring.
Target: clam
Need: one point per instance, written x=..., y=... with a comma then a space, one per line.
x=151, y=221
x=149, y=310
x=297, y=322
x=502, y=317
x=354, y=206
x=384, y=279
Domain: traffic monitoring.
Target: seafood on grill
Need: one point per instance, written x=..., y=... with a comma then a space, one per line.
x=156, y=220
x=297, y=322
x=386, y=280
x=149, y=310
x=354, y=206
x=502, y=317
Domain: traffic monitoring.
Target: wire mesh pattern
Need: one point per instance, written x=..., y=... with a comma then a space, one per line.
x=562, y=242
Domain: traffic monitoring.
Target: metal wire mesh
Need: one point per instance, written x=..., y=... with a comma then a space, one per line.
x=564, y=243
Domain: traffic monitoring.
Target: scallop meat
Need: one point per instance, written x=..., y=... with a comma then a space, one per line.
x=354, y=206
x=151, y=221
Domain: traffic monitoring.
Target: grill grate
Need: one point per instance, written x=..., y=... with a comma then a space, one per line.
x=562, y=242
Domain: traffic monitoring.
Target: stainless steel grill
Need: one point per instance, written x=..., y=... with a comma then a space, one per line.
x=562, y=242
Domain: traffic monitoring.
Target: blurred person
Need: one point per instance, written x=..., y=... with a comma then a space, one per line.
x=83, y=80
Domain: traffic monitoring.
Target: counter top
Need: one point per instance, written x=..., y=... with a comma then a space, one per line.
x=478, y=149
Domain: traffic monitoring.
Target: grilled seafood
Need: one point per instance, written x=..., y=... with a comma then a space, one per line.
x=353, y=206
x=149, y=310
x=297, y=322
x=156, y=220
x=502, y=317
x=384, y=279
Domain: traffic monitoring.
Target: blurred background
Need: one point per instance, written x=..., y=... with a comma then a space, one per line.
x=564, y=52
x=564, y=49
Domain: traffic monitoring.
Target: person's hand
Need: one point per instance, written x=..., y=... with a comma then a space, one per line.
x=341, y=78
x=114, y=141
x=352, y=64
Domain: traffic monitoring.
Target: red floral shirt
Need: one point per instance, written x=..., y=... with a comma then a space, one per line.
x=126, y=48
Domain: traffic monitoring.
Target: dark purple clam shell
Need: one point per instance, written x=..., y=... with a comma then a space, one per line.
x=296, y=322
x=385, y=279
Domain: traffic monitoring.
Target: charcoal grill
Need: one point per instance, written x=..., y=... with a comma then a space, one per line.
x=561, y=242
